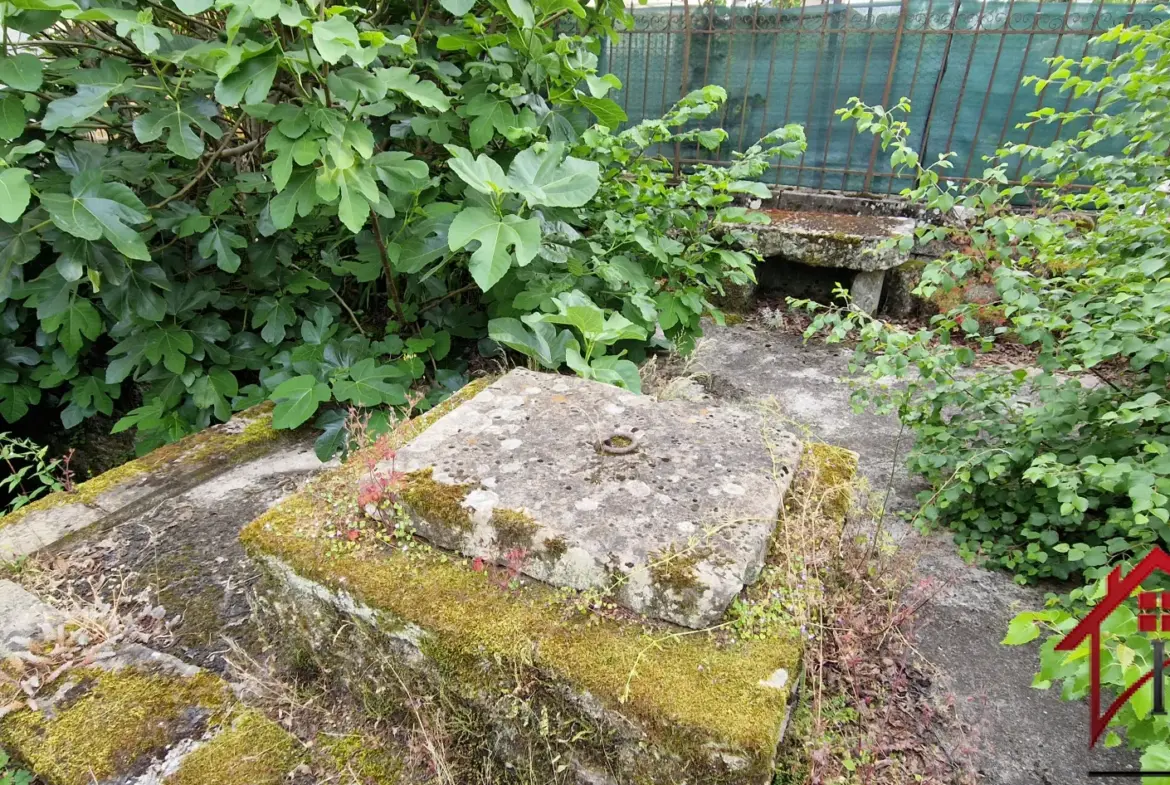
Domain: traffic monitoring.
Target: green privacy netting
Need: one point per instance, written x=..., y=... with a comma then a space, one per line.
x=960, y=63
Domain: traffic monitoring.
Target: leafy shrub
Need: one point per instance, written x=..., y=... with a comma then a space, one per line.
x=30, y=471
x=1058, y=469
x=215, y=202
x=10, y=774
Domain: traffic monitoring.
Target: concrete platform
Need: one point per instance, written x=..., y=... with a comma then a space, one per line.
x=677, y=522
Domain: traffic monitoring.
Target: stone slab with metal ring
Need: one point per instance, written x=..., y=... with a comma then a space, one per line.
x=668, y=504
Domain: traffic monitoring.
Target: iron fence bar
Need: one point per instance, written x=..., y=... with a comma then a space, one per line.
x=684, y=77
x=748, y=80
x=792, y=71
x=812, y=93
x=709, y=10
x=917, y=66
x=966, y=75
x=666, y=66
x=861, y=90
x=1084, y=53
x=727, y=81
x=842, y=43
x=938, y=80
x=1007, y=117
x=867, y=184
x=990, y=88
x=1040, y=96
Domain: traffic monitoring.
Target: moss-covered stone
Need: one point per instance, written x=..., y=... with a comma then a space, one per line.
x=832, y=469
x=675, y=570
x=111, y=721
x=211, y=444
x=253, y=750
x=514, y=528
x=555, y=547
x=361, y=758
x=439, y=503
x=694, y=698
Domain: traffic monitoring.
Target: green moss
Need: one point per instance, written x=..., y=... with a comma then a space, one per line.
x=110, y=720
x=439, y=503
x=686, y=689
x=555, y=547
x=199, y=448
x=514, y=528
x=732, y=319
x=254, y=750
x=674, y=570
x=362, y=758
x=832, y=469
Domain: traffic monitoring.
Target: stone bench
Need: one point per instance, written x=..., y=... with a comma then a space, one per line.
x=852, y=242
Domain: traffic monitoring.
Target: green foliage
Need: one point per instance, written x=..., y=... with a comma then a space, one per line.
x=1126, y=656
x=210, y=203
x=9, y=773
x=30, y=472
x=1059, y=469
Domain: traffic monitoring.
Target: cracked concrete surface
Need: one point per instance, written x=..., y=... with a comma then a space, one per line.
x=1024, y=736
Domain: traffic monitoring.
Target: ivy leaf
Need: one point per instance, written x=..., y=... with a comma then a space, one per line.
x=551, y=179
x=21, y=72
x=336, y=38
x=171, y=345
x=540, y=340
x=193, y=7
x=490, y=115
x=523, y=11
x=496, y=235
x=481, y=173
x=221, y=243
x=367, y=385
x=427, y=94
x=331, y=423
x=176, y=120
x=297, y=399
x=250, y=80
x=356, y=191
x=80, y=320
x=14, y=193
x=607, y=112
x=299, y=197
x=96, y=209
x=399, y=172
x=457, y=7
x=85, y=103
x=12, y=117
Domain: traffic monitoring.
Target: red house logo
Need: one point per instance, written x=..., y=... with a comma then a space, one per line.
x=1153, y=615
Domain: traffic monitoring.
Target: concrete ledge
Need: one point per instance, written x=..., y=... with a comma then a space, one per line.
x=134, y=486
x=853, y=242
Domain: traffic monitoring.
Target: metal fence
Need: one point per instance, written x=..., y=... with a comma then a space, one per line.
x=960, y=62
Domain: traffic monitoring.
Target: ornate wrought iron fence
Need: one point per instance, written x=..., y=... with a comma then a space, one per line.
x=960, y=62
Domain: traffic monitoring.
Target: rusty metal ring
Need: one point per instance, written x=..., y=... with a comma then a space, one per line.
x=633, y=437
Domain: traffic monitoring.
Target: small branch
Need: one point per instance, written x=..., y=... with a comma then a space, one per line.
x=421, y=20
x=447, y=296
x=211, y=159
x=247, y=147
x=386, y=267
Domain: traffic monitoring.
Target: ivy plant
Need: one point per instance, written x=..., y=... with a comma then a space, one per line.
x=209, y=203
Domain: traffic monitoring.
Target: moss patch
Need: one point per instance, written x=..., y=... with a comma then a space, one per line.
x=254, y=439
x=253, y=751
x=674, y=570
x=832, y=469
x=685, y=689
x=514, y=528
x=555, y=547
x=113, y=720
x=362, y=758
x=439, y=503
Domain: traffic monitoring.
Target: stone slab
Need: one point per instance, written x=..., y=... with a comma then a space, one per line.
x=677, y=527
x=138, y=485
x=853, y=242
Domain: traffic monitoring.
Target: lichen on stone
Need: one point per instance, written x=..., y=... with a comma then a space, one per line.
x=252, y=750
x=555, y=547
x=514, y=528
x=674, y=569
x=108, y=721
x=437, y=502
